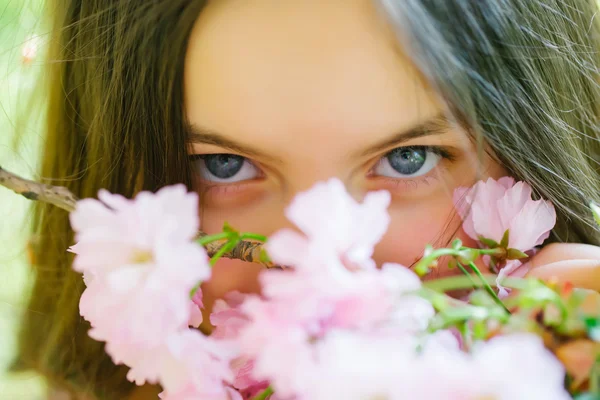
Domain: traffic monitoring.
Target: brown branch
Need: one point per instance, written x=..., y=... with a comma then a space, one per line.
x=245, y=251
x=56, y=195
x=61, y=197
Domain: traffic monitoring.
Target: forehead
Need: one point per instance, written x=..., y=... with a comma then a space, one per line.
x=273, y=71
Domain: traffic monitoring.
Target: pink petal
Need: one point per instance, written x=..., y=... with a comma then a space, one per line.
x=507, y=181
x=532, y=225
x=195, y=315
x=513, y=202
x=287, y=247
x=197, y=298
x=334, y=222
x=89, y=214
x=477, y=207
x=320, y=210
x=508, y=270
x=227, y=316
x=486, y=220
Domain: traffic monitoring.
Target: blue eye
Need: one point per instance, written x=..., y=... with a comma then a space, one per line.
x=407, y=162
x=225, y=168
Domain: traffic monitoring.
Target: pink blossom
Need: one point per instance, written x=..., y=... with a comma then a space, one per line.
x=303, y=306
x=354, y=366
x=229, y=319
x=334, y=285
x=517, y=367
x=336, y=228
x=490, y=208
x=140, y=263
x=188, y=365
x=134, y=321
x=114, y=231
x=199, y=361
x=359, y=366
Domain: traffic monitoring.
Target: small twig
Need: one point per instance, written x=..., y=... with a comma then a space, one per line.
x=56, y=195
x=244, y=250
x=61, y=197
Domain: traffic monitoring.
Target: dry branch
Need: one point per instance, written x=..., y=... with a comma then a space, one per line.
x=61, y=197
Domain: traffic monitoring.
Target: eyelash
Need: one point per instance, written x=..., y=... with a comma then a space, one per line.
x=444, y=153
x=408, y=183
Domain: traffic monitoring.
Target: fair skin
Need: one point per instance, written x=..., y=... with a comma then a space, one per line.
x=298, y=106
x=302, y=106
x=299, y=92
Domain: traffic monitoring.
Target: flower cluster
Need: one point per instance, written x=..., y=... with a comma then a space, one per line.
x=332, y=324
x=140, y=263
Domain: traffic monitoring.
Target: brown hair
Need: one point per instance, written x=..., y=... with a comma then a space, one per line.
x=521, y=73
x=115, y=121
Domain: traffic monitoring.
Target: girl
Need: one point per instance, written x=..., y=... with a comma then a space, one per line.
x=250, y=102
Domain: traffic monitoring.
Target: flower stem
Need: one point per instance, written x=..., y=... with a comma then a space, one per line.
x=464, y=271
x=422, y=267
x=487, y=286
x=204, y=240
x=465, y=282
x=264, y=394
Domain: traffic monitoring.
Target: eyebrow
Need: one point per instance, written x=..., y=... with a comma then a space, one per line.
x=199, y=134
x=438, y=125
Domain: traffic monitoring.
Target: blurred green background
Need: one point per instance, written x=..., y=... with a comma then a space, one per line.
x=20, y=116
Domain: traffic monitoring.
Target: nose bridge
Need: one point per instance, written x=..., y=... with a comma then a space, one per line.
x=307, y=180
x=307, y=169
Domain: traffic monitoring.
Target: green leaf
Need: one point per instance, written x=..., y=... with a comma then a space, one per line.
x=492, y=244
x=592, y=325
x=595, y=212
x=515, y=254
x=504, y=241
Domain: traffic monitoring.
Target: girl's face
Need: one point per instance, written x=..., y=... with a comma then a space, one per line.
x=283, y=94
